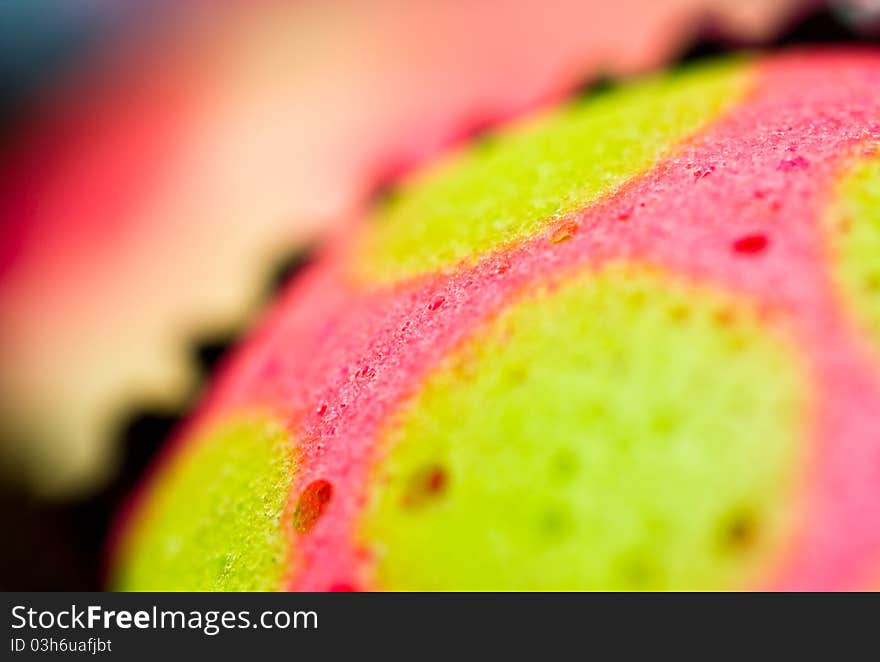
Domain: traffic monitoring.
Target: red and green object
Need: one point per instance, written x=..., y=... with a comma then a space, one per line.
x=629, y=343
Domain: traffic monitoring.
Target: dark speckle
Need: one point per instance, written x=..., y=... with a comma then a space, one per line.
x=703, y=172
x=553, y=523
x=366, y=372
x=564, y=465
x=724, y=317
x=739, y=531
x=796, y=163
x=425, y=485
x=872, y=282
x=563, y=232
x=751, y=244
x=310, y=505
x=679, y=313
x=636, y=570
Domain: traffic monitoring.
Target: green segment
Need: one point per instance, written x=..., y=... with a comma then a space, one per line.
x=622, y=432
x=215, y=519
x=855, y=224
x=511, y=186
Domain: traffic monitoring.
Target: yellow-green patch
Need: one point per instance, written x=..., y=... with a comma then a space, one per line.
x=855, y=226
x=624, y=431
x=214, y=521
x=512, y=185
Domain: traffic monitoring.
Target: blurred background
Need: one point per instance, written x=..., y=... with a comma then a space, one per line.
x=165, y=166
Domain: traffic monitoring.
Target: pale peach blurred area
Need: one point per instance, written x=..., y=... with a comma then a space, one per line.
x=157, y=187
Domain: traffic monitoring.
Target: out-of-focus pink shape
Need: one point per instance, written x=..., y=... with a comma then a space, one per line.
x=149, y=200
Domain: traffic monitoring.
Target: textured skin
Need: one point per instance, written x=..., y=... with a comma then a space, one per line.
x=544, y=169
x=565, y=440
x=225, y=535
x=737, y=209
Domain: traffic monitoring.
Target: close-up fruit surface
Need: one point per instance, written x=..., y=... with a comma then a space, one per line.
x=629, y=341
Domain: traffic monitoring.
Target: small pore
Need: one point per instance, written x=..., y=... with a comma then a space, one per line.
x=751, y=244
x=844, y=225
x=740, y=530
x=366, y=372
x=724, y=317
x=501, y=268
x=565, y=465
x=310, y=505
x=637, y=571
x=553, y=524
x=436, y=303
x=679, y=313
x=425, y=485
x=872, y=281
x=703, y=172
x=563, y=232
x=796, y=163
